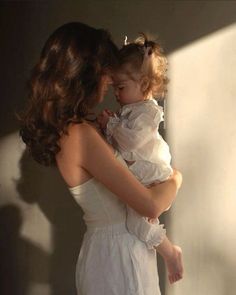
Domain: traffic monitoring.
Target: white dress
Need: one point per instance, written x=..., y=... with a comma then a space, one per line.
x=111, y=260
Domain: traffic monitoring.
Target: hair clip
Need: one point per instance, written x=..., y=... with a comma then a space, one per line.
x=126, y=41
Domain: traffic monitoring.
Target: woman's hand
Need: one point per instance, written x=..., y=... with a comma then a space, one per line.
x=165, y=192
x=177, y=176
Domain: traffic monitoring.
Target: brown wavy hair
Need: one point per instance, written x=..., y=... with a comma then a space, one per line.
x=64, y=86
x=146, y=57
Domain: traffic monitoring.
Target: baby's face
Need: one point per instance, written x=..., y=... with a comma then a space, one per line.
x=126, y=90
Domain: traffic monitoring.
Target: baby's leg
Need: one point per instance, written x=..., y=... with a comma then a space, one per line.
x=154, y=236
x=172, y=256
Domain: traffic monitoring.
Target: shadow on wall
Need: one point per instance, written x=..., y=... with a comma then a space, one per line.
x=14, y=253
x=45, y=187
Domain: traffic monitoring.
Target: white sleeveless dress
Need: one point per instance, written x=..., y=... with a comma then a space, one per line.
x=111, y=261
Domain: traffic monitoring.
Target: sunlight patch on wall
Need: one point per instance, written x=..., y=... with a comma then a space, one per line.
x=201, y=131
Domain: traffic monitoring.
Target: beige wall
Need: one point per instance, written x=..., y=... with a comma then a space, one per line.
x=41, y=224
x=201, y=128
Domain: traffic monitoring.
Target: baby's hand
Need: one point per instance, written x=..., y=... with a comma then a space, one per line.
x=103, y=118
x=109, y=112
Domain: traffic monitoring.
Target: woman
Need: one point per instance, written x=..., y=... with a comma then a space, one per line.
x=71, y=77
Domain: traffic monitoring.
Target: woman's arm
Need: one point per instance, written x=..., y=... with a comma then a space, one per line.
x=97, y=158
x=161, y=189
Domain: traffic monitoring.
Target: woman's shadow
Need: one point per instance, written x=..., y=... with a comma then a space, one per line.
x=15, y=253
x=44, y=186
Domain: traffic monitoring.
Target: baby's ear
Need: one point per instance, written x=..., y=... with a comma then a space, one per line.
x=144, y=84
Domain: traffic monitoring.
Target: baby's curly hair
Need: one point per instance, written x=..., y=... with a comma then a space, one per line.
x=64, y=85
x=146, y=57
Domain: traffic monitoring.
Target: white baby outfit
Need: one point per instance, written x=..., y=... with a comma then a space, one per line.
x=112, y=261
x=134, y=133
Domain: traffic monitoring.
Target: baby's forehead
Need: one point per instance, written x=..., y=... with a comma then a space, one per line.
x=124, y=74
x=120, y=77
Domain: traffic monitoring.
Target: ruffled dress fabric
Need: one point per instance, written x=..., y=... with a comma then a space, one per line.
x=112, y=261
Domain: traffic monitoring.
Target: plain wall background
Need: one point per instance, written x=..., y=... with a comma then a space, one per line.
x=41, y=226
x=201, y=130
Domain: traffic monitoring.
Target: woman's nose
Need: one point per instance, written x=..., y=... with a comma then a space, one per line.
x=115, y=91
x=109, y=80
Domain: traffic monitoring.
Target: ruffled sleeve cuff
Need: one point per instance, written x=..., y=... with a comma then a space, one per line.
x=156, y=234
x=152, y=234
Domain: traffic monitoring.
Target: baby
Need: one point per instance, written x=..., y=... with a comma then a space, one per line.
x=133, y=131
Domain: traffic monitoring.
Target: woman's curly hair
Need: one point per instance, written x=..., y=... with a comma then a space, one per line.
x=64, y=85
x=145, y=56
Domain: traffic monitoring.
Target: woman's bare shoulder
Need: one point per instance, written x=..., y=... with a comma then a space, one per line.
x=78, y=134
x=83, y=137
x=84, y=129
x=78, y=129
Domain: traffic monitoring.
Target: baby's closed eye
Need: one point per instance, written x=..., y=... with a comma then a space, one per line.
x=121, y=87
